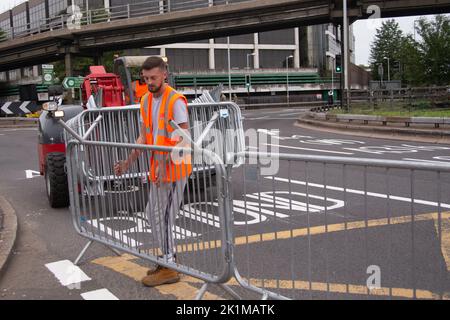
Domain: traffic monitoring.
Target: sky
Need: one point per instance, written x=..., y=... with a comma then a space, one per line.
x=364, y=30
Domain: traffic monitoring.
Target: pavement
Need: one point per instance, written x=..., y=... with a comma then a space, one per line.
x=8, y=232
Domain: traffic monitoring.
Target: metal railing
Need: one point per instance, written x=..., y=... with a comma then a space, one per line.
x=286, y=226
x=320, y=226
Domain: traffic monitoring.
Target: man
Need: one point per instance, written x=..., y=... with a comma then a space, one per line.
x=167, y=177
x=139, y=88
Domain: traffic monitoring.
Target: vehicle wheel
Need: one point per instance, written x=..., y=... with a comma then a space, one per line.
x=56, y=180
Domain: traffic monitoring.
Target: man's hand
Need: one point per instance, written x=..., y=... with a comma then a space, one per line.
x=121, y=167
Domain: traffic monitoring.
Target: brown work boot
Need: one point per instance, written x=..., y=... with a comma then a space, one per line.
x=154, y=269
x=162, y=276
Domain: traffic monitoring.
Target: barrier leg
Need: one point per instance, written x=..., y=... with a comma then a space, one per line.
x=77, y=260
x=202, y=291
x=230, y=291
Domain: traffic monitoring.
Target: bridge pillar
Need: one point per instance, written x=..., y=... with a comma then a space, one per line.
x=69, y=72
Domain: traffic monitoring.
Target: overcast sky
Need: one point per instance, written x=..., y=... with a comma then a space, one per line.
x=364, y=30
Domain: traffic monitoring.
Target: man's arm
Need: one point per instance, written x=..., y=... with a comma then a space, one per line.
x=122, y=166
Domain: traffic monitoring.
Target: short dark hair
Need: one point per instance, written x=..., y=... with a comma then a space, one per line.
x=154, y=62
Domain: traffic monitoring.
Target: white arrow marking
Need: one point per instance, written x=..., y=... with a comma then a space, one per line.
x=32, y=174
x=5, y=108
x=23, y=107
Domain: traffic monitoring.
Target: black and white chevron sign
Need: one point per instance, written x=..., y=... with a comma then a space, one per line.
x=18, y=108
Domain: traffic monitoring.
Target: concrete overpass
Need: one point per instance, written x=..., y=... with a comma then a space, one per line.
x=195, y=24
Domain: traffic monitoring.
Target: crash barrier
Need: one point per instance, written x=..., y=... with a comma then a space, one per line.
x=384, y=120
x=111, y=209
x=340, y=227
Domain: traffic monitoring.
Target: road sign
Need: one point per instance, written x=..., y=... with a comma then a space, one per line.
x=72, y=82
x=18, y=108
x=47, y=74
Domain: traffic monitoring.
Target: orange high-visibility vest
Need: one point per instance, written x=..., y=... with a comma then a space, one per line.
x=139, y=90
x=170, y=172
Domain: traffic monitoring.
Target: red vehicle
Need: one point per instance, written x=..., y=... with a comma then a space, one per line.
x=108, y=90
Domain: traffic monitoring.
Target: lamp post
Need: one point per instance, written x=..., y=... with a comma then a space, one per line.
x=389, y=69
x=287, y=77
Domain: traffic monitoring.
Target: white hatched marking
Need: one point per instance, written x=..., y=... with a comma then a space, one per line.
x=102, y=294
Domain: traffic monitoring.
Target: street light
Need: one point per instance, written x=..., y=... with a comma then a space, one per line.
x=287, y=77
x=389, y=73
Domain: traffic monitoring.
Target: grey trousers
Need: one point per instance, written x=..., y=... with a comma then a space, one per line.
x=162, y=208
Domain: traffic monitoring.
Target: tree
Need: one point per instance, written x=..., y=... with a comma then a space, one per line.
x=434, y=49
x=387, y=44
x=411, y=64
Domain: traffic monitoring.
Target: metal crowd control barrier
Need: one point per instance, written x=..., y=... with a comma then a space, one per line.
x=219, y=125
x=113, y=211
x=341, y=227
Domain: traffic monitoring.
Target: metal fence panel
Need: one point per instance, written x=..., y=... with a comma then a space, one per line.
x=336, y=227
x=112, y=210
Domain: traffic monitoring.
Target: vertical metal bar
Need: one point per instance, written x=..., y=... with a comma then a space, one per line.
x=442, y=271
x=366, y=227
x=326, y=230
x=346, y=254
x=309, y=231
x=292, y=252
x=390, y=231
x=412, y=176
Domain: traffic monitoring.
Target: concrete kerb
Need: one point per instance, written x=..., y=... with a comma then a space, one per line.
x=429, y=136
x=18, y=122
x=8, y=234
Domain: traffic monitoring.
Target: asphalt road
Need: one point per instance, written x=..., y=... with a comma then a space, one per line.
x=352, y=239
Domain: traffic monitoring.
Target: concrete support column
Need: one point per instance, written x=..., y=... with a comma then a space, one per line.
x=212, y=59
x=69, y=72
x=163, y=52
x=297, y=48
x=256, y=51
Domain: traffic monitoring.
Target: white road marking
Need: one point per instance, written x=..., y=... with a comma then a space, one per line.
x=360, y=192
x=403, y=148
x=445, y=158
x=427, y=161
x=32, y=174
x=67, y=273
x=140, y=227
x=306, y=149
x=102, y=294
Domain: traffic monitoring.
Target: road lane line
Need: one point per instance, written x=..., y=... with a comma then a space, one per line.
x=307, y=149
x=102, y=294
x=181, y=290
x=361, y=192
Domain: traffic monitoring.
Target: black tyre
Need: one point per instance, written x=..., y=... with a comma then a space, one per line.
x=56, y=180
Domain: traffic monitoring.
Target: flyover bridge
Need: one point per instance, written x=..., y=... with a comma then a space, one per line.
x=158, y=23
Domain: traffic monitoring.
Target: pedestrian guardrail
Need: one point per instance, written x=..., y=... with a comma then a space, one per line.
x=384, y=120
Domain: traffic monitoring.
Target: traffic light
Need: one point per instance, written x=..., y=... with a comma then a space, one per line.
x=338, y=67
x=396, y=66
